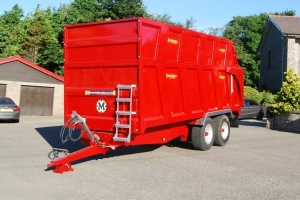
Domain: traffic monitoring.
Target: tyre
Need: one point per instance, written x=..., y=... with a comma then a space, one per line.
x=234, y=122
x=260, y=115
x=222, y=130
x=203, y=137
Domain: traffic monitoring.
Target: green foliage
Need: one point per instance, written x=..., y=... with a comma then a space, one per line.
x=264, y=98
x=119, y=9
x=288, y=98
x=267, y=98
x=39, y=34
x=251, y=93
x=190, y=23
x=81, y=11
x=10, y=32
x=166, y=18
x=38, y=37
x=246, y=32
x=214, y=31
x=286, y=13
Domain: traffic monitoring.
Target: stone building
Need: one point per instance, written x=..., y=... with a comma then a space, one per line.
x=37, y=90
x=279, y=51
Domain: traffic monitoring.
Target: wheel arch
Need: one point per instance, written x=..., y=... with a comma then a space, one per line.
x=202, y=120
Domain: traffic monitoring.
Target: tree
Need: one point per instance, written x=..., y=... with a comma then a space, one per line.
x=286, y=13
x=120, y=9
x=190, y=23
x=51, y=57
x=214, y=31
x=166, y=18
x=81, y=11
x=39, y=36
x=10, y=33
x=246, y=32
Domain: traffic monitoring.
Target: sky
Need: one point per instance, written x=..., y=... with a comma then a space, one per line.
x=207, y=13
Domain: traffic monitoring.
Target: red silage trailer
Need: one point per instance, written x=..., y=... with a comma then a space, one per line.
x=137, y=81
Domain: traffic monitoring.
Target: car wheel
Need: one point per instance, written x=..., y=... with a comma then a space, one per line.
x=260, y=115
x=15, y=120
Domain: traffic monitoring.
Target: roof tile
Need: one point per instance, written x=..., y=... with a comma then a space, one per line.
x=288, y=24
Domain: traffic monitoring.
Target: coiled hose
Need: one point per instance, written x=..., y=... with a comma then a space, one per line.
x=71, y=123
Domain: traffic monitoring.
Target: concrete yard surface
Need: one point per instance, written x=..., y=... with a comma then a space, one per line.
x=257, y=163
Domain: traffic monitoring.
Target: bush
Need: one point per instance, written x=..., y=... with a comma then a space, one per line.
x=267, y=98
x=288, y=98
x=264, y=98
x=251, y=93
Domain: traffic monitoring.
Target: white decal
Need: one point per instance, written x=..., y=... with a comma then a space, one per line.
x=101, y=106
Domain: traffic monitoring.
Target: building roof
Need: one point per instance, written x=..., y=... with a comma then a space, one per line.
x=287, y=25
x=290, y=25
x=32, y=65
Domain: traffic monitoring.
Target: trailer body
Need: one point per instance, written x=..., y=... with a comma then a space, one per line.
x=137, y=81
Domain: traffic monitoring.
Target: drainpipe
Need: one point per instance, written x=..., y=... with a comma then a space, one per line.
x=282, y=65
x=259, y=88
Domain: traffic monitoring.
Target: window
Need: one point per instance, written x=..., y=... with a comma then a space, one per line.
x=253, y=103
x=246, y=103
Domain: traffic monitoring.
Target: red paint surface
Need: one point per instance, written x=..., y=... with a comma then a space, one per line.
x=180, y=75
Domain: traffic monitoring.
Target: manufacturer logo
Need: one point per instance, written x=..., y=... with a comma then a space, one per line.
x=222, y=50
x=100, y=92
x=172, y=41
x=101, y=106
x=171, y=76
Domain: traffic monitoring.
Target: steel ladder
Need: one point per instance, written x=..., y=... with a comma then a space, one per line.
x=128, y=113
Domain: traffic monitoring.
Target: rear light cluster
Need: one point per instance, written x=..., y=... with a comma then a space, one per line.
x=16, y=109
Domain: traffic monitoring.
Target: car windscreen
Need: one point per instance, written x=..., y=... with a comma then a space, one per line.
x=6, y=101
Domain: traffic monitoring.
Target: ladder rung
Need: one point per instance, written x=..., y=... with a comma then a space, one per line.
x=123, y=99
x=121, y=139
x=122, y=125
x=125, y=87
x=125, y=113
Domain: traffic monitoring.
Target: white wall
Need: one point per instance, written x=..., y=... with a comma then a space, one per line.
x=13, y=90
x=293, y=56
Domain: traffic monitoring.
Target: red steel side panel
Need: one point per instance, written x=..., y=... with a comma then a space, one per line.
x=180, y=74
x=184, y=75
x=98, y=57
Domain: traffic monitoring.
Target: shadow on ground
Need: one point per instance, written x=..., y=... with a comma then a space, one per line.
x=52, y=136
x=2, y=121
x=252, y=122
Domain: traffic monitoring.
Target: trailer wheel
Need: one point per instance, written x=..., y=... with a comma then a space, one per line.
x=203, y=137
x=222, y=130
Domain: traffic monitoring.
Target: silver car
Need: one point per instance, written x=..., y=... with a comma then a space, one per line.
x=252, y=109
x=9, y=110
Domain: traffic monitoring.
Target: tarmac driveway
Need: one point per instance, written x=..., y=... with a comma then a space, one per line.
x=257, y=163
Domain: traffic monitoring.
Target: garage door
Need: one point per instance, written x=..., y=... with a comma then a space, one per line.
x=2, y=90
x=36, y=100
